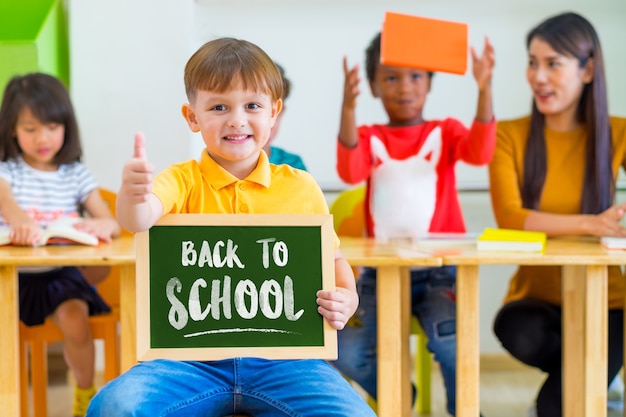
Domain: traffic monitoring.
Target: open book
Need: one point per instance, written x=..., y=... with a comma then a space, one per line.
x=60, y=231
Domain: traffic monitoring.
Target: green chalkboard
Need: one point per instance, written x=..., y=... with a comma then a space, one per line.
x=219, y=286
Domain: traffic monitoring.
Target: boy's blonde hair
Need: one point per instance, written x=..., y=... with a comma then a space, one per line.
x=222, y=62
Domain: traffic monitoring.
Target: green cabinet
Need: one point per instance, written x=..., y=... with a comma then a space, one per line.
x=33, y=37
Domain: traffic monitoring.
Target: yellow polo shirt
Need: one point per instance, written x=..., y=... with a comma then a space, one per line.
x=205, y=187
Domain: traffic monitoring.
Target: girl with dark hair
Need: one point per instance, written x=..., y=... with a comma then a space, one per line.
x=42, y=180
x=555, y=171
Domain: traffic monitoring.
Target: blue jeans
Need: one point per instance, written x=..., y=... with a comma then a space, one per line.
x=433, y=300
x=259, y=387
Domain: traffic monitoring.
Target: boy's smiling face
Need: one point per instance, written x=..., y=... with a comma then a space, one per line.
x=235, y=125
x=403, y=93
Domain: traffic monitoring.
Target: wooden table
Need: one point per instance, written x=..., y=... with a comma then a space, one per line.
x=585, y=307
x=121, y=252
x=393, y=292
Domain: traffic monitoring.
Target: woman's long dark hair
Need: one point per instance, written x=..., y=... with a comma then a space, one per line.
x=572, y=35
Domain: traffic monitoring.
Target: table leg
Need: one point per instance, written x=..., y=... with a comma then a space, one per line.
x=467, y=342
x=596, y=341
x=128, y=317
x=9, y=342
x=394, y=313
x=585, y=340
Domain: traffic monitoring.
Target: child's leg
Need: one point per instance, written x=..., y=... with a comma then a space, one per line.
x=434, y=305
x=168, y=388
x=94, y=274
x=72, y=317
x=307, y=388
x=357, y=358
x=262, y=388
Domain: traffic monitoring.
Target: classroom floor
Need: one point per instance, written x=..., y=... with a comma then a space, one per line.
x=506, y=393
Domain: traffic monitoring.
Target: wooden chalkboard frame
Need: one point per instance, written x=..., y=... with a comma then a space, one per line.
x=145, y=351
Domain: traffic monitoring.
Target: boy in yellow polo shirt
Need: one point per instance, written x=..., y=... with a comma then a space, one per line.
x=234, y=92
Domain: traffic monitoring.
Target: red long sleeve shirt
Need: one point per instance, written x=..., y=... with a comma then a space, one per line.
x=411, y=183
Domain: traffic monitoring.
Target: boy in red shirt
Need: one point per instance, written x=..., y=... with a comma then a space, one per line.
x=408, y=164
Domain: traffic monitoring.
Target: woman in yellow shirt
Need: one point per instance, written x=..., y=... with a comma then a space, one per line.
x=555, y=171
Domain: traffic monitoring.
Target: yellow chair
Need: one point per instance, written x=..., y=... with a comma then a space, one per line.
x=34, y=339
x=349, y=220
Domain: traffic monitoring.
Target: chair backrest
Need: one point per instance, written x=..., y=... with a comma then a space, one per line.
x=348, y=211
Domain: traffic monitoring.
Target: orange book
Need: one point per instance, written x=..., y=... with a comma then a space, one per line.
x=419, y=42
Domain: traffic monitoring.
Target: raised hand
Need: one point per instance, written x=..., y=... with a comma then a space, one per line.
x=351, y=85
x=347, y=126
x=137, y=173
x=482, y=66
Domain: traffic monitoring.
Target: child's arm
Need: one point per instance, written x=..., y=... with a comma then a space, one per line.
x=347, y=127
x=339, y=305
x=101, y=222
x=482, y=68
x=24, y=230
x=137, y=208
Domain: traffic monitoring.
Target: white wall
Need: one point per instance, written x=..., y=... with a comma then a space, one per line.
x=127, y=60
x=310, y=38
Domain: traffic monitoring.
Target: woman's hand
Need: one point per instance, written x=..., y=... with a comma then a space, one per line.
x=607, y=223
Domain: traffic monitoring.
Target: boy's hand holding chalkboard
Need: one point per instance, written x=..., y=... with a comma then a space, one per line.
x=337, y=306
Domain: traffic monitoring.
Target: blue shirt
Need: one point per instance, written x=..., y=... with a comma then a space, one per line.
x=280, y=156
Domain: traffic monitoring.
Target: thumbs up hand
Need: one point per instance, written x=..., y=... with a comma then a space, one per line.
x=137, y=173
x=140, y=146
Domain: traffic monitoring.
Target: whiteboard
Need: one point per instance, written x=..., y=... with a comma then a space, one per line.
x=310, y=39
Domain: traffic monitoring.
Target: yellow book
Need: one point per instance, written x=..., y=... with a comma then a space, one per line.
x=493, y=239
